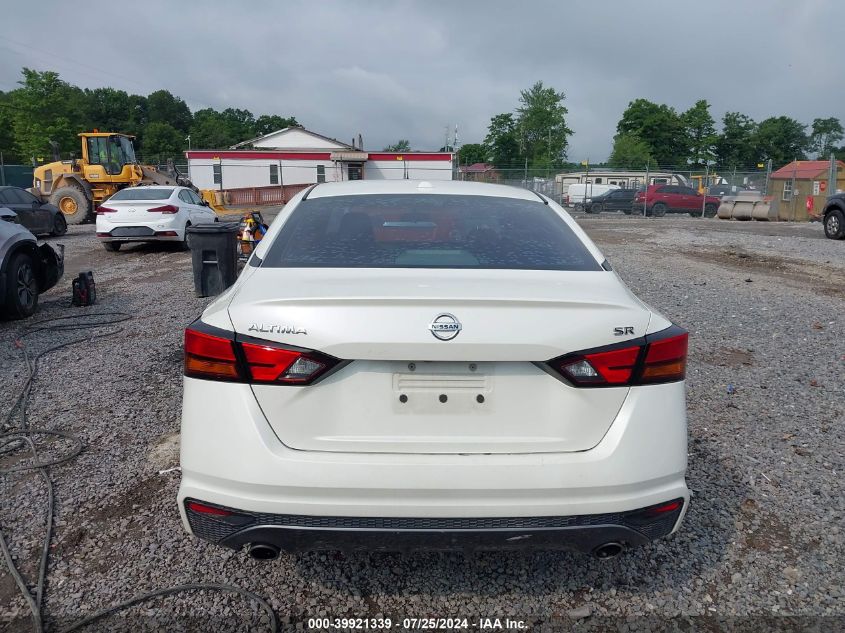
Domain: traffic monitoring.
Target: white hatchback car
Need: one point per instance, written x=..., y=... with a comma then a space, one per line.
x=150, y=213
x=431, y=365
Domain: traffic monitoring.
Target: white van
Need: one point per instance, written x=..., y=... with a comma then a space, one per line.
x=575, y=195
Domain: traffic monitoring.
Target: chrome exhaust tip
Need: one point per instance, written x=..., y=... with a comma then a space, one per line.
x=263, y=551
x=608, y=550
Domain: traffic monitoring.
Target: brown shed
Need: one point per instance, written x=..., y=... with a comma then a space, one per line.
x=800, y=184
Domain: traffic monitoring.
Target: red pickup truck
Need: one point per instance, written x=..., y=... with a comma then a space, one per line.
x=662, y=199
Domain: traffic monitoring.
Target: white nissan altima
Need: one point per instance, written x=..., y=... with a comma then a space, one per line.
x=415, y=365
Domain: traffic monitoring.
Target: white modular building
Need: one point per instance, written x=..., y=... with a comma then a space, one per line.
x=295, y=156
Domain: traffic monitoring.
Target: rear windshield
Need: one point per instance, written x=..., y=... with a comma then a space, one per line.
x=427, y=231
x=142, y=193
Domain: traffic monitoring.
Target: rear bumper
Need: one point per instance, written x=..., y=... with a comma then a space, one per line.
x=583, y=533
x=168, y=230
x=231, y=458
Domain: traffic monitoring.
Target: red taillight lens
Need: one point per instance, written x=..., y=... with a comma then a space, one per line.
x=201, y=508
x=273, y=364
x=208, y=356
x=168, y=208
x=103, y=210
x=219, y=357
x=652, y=359
x=666, y=360
x=613, y=367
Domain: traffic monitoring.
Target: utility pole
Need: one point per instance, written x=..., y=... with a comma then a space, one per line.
x=645, y=196
x=768, y=175
x=704, y=194
x=831, y=178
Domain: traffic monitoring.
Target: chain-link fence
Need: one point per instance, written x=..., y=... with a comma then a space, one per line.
x=717, y=181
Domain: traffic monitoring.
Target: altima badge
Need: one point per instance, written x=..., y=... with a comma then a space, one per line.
x=278, y=329
x=445, y=327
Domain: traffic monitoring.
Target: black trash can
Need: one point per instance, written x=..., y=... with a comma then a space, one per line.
x=214, y=254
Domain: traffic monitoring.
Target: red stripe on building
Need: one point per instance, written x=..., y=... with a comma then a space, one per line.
x=264, y=155
x=411, y=156
x=253, y=155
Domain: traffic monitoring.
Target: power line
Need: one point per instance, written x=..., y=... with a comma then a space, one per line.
x=60, y=56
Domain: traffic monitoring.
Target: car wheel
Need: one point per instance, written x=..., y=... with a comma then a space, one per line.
x=112, y=247
x=709, y=210
x=185, y=244
x=73, y=203
x=598, y=208
x=658, y=210
x=834, y=225
x=21, y=298
x=59, y=225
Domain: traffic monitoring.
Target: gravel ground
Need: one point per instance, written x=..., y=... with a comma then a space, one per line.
x=763, y=537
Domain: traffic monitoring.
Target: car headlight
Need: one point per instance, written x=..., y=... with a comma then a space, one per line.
x=37, y=183
x=588, y=200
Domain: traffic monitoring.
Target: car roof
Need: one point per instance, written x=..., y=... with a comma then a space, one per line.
x=443, y=187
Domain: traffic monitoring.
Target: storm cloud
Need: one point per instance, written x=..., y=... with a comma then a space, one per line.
x=391, y=70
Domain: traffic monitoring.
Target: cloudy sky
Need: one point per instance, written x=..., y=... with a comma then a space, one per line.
x=405, y=69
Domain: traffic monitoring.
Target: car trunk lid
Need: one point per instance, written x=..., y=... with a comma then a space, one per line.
x=409, y=391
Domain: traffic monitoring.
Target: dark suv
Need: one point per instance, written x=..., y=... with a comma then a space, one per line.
x=613, y=200
x=662, y=199
x=834, y=217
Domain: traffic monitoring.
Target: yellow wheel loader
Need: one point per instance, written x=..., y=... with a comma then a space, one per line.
x=78, y=186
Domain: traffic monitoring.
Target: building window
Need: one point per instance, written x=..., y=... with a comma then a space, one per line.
x=218, y=174
x=321, y=173
x=787, y=190
x=274, y=174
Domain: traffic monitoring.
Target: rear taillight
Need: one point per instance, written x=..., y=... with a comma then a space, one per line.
x=656, y=358
x=103, y=210
x=665, y=360
x=208, y=356
x=215, y=355
x=167, y=208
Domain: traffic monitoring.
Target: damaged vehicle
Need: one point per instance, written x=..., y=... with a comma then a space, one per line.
x=27, y=269
x=439, y=365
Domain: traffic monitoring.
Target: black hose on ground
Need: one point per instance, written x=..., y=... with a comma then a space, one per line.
x=22, y=436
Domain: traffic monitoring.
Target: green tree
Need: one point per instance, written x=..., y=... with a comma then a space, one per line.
x=7, y=137
x=267, y=123
x=212, y=129
x=107, y=109
x=781, y=139
x=826, y=135
x=630, y=152
x=402, y=145
x=46, y=108
x=700, y=131
x=501, y=141
x=472, y=153
x=541, y=125
x=660, y=127
x=735, y=145
x=162, y=139
x=163, y=107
